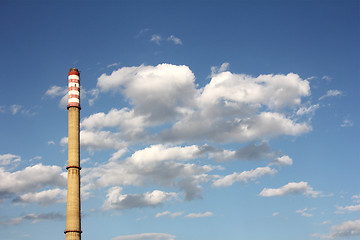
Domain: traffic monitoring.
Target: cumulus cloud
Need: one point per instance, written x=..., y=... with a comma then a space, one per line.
x=345, y=229
x=244, y=176
x=30, y=179
x=34, y=218
x=161, y=153
x=274, y=91
x=290, y=188
x=98, y=140
x=264, y=125
x=331, y=93
x=283, y=160
x=7, y=159
x=147, y=236
x=253, y=151
x=158, y=93
x=231, y=107
x=199, y=215
x=157, y=164
x=250, y=152
x=175, y=40
x=116, y=200
x=46, y=197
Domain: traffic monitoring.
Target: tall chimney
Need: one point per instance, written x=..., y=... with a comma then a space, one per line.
x=73, y=215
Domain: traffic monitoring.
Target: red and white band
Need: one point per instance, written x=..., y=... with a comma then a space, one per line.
x=74, y=90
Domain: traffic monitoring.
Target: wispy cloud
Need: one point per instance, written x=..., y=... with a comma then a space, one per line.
x=305, y=212
x=156, y=39
x=348, y=209
x=15, y=108
x=33, y=217
x=9, y=158
x=347, y=123
x=331, y=93
x=170, y=214
x=175, y=40
x=113, y=65
x=142, y=31
x=199, y=215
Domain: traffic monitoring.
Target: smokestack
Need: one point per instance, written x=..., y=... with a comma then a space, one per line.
x=73, y=217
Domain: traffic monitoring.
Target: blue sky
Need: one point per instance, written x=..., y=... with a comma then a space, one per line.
x=200, y=119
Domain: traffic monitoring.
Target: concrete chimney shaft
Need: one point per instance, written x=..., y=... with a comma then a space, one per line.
x=73, y=213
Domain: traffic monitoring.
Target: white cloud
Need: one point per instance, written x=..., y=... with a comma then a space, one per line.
x=244, y=176
x=283, y=160
x=264, y=125
x=56, y=91
x=199, y=215
x=274, y=91
x=142, y=31
x=147, y=236
x=30, y=179
x=15, y=108
x=331, y=93
x=356, y=198
x=113, y=65
x=51, y=143
x=168, y=213
x=350, y=208
x=176, y=214
x=162, y=214
x=274, y=214
x=34, y=218
x=304, y=212
x=46, y=197
x=98, y=140
x=166, y=169
x=215, y=70
x=7, y=159
x=162, y=153
x=290, y=188
x=159, y=93
x=345, y=229
x=326, y=78
x=130, y=124
x=231, y=107
x=116, y=200
x=175, y=40
x=156, y=39
x=347, y=123
x=307, y=110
